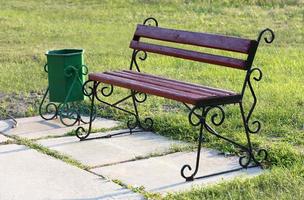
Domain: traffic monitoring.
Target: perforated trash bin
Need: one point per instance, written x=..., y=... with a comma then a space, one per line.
x=65, y=75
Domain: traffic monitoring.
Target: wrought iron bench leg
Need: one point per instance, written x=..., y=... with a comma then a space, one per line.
x=147, y=123
x=81, y=133
x=106, y=91
x=250, y=159
x=258, y=156
x=191, y=177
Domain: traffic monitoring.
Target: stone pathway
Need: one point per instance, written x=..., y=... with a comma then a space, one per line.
x=162, y=174
x=110, y=150
x=28, y=174
x=140, y=159
x=36, y=127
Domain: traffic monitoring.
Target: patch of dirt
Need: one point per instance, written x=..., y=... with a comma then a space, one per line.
x=19, y=105
x=300, y=149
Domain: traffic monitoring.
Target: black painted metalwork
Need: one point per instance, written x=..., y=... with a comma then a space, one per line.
x=250, y=157
x=217, y=119
x=135, y=124
x=206, y=117
x=150, y=20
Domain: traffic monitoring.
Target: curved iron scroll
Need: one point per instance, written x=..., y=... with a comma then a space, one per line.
x=207, y=116
x=48, y=108
x=89, y=90
x=139, y=97
x=216, y=119
x=256, y=156
x=266, y=39
x=142, y=55
x=269, y=38
x=146, y=124
x=99, y=91
x=256, y=122
x=149, y=20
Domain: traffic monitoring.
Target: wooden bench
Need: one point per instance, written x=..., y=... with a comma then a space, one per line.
x=199, y=99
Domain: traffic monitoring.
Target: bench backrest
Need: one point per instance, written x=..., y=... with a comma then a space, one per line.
x=226, y=43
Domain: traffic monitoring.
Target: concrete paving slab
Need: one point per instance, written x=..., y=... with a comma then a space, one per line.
x=28, y=174
x=3, y=138
x=36, y=127
x=162, y=174
x=110, y=150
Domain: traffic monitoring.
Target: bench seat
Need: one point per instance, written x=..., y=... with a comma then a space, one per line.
x=172, y=89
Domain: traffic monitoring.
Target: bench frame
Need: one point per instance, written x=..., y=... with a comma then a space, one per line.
x=198, y=114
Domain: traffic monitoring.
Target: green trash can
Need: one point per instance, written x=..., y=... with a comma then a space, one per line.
x=66, y=71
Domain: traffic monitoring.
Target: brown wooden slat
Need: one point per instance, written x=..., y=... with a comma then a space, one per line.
x=123, y=79
x=145, y=87
x=171, y=84
x=194, y=38
x=188, y=54
x=211, y=96
x=205, y=89
x=158, y=83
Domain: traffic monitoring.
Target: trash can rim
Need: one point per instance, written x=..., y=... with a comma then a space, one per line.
x=64, y=52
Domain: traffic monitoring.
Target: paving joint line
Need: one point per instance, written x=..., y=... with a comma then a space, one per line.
x=57, y=155
x=31, y=143
x=44, y=150
x=72, y=133
x=151, y=155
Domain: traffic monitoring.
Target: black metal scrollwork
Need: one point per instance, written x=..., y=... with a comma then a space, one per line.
x=147, y=124
x=189, y=168
x=142, y=55
x=261, y=156
x=269, y=38
x=266, y=39
x=140, y=97
x=215, y=116
x=200, y=120
x=81, y=133
x=250, y=154
x=88, y=89
x=257, y=157
x=192, y=113
x=46, y=68
x=245, y=159
x=105, y=91
x=132, y=123
x=150, y=20
x=50, y=109
x=256, y=78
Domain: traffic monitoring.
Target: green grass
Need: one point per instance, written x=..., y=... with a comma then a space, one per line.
x=280, y=183
x=104, y=29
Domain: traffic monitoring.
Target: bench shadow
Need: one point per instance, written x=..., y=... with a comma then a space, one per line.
x=13, y=151
x=225, y=177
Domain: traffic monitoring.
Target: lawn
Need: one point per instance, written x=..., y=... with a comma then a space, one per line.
x=104, y=29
